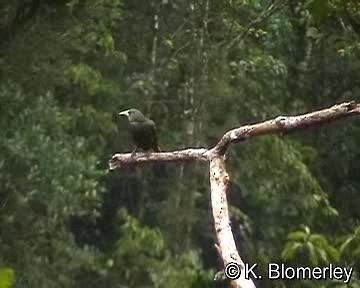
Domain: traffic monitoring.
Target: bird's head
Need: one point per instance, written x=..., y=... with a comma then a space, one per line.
x=134, y=115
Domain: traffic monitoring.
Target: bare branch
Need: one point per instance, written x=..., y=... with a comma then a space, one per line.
x=126, y=160
x=219, y=182
x=286, y=124
x=219, y=179
x=281, y=124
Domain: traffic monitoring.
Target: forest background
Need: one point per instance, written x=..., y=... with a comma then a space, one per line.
x=198, y=68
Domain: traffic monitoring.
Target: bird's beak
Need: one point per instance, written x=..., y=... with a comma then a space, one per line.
x=124, y=113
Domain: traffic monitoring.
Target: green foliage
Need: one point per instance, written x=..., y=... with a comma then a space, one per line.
x=7, y=277
x=142, y=256
x=68, y=66
x=350, y=248
x=43, y=192
x=305, y=247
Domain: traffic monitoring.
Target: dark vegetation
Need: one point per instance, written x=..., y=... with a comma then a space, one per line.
x=197, y=68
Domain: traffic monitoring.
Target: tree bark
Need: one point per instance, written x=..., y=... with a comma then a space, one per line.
x=219, y=178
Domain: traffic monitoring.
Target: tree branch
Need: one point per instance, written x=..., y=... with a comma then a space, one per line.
x=219, y=183
x=219, y=178
x=187, y=155
x=281, y=124
x=286, y=124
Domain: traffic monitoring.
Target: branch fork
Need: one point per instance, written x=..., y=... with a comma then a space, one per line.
x=219, y=178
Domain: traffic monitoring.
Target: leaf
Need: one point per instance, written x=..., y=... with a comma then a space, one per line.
x=323, y=255
x=319, y=240
x=346, y=243
x=7, y=277
x=334, y=255
x=312, y=254
x=307, y=230
x=290, y=250
x=299, y=236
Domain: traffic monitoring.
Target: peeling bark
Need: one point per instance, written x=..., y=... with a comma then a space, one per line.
x=219, y=183
x=219, y=178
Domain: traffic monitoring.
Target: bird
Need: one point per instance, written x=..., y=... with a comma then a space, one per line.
x=142, y=130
